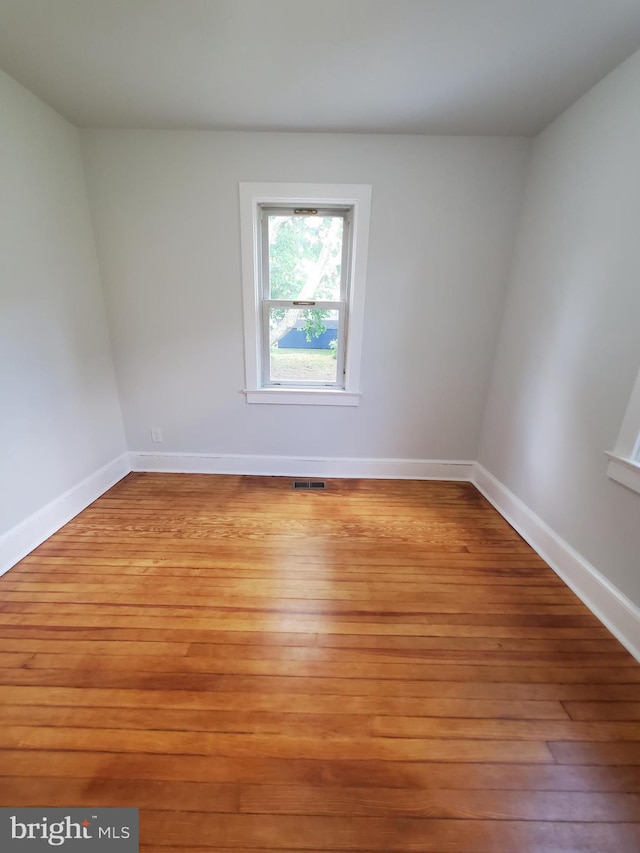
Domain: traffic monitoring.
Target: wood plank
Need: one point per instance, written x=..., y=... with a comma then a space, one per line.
x=441, y=604
x=587, y=752
x=241, y=720
x=421, y=727
x=352, y=669
x=152, y=648
x=51, y=697
x=362, y=654
x=572, y=645
x=385, y=834
x=603, y=710
x=151, y=547
x=344, y=597
x=313, y=685
x=439, y=804
x=244, y=562
x=371, y=641
x=165, y=635
x=21, y=792
x=272, y=746
x=456, y=625
x=15, y=659
x=449, y=775
x=399, y=579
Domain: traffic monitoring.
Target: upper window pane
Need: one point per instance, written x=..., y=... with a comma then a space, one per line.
x=305, y=257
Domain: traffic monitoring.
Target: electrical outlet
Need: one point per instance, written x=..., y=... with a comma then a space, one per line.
x=156, y=434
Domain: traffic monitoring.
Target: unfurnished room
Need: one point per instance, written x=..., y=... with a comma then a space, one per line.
x=320, y=426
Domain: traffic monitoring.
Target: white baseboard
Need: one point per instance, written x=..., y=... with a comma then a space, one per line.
x=24, y=537
x=620, y=615
x=298, y=466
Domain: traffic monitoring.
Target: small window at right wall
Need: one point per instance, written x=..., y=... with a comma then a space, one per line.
x=624, y=462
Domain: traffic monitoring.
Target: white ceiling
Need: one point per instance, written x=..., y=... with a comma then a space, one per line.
x=401, y=66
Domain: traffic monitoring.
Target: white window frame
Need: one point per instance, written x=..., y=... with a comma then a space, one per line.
x=356, y=198
x=624, y=461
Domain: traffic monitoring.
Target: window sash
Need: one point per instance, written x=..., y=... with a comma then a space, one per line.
x=341, y=338
x=344, y=213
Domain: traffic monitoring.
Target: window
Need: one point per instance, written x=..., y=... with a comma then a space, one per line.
x=304, y=286
x=304, y=250
x=624, y=462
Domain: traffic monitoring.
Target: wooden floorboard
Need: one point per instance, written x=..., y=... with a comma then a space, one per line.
x=383, y=666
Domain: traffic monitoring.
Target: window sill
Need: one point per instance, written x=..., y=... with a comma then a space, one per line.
x=303, y=397
x=625, y=471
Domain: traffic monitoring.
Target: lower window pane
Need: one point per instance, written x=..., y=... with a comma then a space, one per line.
x=303, y=345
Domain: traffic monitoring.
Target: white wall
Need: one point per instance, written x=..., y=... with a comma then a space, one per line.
x=59, y=414
x=166, y=213
x=569, y=348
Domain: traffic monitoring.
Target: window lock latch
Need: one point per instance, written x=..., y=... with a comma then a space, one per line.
x=302, y=302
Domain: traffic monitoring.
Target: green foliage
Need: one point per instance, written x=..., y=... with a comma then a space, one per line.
x=313, y=323
x=287, y=251
x=295, y=245
x=304, y=252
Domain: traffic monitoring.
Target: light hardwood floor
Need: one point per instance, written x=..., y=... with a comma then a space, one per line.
x=384, y=666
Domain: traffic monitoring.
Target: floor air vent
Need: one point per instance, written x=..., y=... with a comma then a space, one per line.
x=309, y=484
